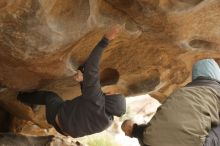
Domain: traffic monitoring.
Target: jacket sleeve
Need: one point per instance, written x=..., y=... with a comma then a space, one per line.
x=91, y=87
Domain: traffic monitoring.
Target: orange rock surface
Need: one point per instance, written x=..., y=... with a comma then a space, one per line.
x=42, y=42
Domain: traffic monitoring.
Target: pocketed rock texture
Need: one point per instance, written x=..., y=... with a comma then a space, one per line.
x=42, y=42
x=10, y=139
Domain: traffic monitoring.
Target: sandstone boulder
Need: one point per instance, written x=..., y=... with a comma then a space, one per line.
x=42, y=42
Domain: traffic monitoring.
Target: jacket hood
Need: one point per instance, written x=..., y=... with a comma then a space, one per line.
x=115, y=104
x=206, y=68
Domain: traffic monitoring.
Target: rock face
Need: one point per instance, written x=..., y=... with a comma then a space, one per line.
x=42, y=42
x=10, y=139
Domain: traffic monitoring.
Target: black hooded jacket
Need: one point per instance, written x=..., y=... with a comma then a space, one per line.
x=93, y=111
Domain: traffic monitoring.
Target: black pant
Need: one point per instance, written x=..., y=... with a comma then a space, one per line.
x=50, y=99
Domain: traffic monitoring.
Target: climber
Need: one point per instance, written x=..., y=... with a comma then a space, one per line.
x=189, y=116
x=89, y=113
